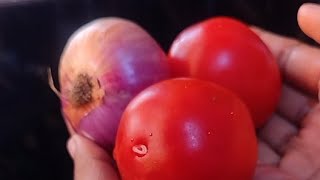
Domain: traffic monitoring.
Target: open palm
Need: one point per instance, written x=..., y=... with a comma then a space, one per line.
x=289, y=144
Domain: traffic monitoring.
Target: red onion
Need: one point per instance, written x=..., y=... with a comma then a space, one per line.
x=104, y=65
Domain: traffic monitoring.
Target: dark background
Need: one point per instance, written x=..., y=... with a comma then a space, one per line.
x=32, y=35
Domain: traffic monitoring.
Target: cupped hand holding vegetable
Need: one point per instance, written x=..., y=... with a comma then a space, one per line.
x=103, y=66
x=186, y=129
x=288, y=144
x=225, y=51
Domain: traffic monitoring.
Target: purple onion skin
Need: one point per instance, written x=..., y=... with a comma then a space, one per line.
x=104, y=65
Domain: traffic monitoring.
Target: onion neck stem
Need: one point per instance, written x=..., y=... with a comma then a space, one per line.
x=51, y=84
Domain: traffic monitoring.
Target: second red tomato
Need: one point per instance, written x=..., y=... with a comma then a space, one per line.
x=227, y=52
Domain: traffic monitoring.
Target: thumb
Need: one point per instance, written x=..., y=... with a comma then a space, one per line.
x=90, y=161
x=309, y=20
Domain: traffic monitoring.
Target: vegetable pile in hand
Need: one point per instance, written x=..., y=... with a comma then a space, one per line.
x=191, y=114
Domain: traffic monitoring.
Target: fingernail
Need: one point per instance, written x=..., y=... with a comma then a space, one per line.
x=72, y=146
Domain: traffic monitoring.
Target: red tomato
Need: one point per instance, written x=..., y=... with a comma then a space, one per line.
x=186, y=129
x=227, y=52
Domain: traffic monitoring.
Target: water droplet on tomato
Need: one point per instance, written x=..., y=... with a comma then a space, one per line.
x=131, y=139
x=150, y=134
x=232, y=113
x=140, y=150
x=209, y=133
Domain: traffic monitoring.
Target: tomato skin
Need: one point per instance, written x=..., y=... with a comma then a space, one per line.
x=227, y=52
x=192, y=129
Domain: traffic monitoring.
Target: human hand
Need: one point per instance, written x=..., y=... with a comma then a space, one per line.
x=289, y=143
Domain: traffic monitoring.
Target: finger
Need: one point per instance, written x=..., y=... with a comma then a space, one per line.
x=302, y=157
x=294, y=105
x=271, y=173
x=90, y=161
x=299, y=63
x=309, y=20
x=277, y=133
x=266, y=155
